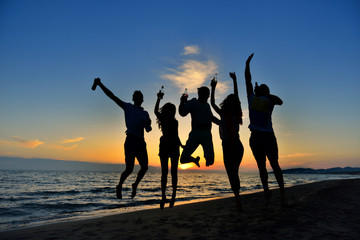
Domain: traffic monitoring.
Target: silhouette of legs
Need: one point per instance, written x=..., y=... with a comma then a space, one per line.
x=233, y=153
x=174, y=178
x=129, y=168
x=196, y=138
x=265, y=145
x=279, y=178
x=139, y=177
x=134, y=147
x=142, y=158
x=258, y=146
x=164, y=173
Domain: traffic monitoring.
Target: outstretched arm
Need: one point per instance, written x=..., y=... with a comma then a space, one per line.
x=249, y=86
x=212, y=99
x=97, y=82
x=156, y=109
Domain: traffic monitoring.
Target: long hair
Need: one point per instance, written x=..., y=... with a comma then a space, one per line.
x=166, y=114
x=231, y=105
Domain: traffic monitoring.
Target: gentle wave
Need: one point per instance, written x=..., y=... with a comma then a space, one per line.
x=36, y=197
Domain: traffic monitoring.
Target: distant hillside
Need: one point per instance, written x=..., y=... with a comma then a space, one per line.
x=9, y=163
x=336, y=170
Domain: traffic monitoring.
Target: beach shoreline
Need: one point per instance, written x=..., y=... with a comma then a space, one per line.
x=320, y=210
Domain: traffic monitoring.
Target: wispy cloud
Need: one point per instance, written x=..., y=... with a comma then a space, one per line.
x=297, y=155
x=66, y=148
x=191, y=74
x=193, y=49
x=73, y=140
x=27, y=143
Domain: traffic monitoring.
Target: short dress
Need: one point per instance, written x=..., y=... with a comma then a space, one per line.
x=169, y=141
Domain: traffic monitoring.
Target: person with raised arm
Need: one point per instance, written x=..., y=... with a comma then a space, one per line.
x=230, y=120
x=201, y=121
x=136, y=120
x=263, y=142
x=169, y=146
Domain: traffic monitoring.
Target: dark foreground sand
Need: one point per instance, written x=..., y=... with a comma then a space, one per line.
x=323, y=210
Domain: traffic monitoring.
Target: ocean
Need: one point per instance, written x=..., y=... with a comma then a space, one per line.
x=32, y=198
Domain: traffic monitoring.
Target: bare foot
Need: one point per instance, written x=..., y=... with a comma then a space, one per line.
x=118, y=192
x=172, y=202
x=162, y=203
x=133, y=194
x=196, y=161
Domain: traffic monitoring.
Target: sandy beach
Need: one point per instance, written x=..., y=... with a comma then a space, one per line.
x=322, y=210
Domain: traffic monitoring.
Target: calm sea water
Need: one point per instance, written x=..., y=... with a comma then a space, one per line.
x=30, y=198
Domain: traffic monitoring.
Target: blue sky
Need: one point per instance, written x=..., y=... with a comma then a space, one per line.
x=308, y=52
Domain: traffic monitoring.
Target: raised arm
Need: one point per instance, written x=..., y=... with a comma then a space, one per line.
x=249, y=86
x=233, y=76
x=156, y=109
x=212, y=98
x=97, y=82
x=182, y=109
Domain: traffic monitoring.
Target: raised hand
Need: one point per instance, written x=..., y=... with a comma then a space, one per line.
x=213, y=83
x=249, y=58
x=160, y=95
x=96, y=82
x=232, y=75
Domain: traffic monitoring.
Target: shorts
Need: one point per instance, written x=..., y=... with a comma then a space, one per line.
x=196, y=138
x=264, y=144
x=135, y=147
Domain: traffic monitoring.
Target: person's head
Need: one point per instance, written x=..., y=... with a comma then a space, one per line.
x=262, y=90
x=138, y=98
x=167, y=112
x=231, y=105
x=203, y=93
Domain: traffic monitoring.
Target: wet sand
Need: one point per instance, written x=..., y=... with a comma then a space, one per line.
x=323, y=210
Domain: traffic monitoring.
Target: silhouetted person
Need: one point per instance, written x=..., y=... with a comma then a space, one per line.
x=136, y=120
x=169, y=146
x=230, y=118
x=201, y=118
x=262, y=140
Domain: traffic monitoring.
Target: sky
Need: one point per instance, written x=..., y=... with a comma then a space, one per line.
x=307, y=52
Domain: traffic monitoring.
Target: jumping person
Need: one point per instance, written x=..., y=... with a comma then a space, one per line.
x=262, y=140
x=169, y=146
x=230, y=118
x=201, y=119
x=136, y=120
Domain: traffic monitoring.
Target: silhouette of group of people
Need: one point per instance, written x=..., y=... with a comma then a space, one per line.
x=262, y=140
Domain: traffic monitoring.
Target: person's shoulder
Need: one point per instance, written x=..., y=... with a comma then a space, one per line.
x=250, y=96
x=126, y=105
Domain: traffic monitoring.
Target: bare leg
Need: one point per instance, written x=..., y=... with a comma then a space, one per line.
x=164, y=173
x=189, y=159
x=174, y=179
x=140, y=176
x=261, y=162
x=123, y=177
x=279, y=178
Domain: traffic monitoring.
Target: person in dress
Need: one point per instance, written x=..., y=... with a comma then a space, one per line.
x=230, y=120
x=169, y=146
